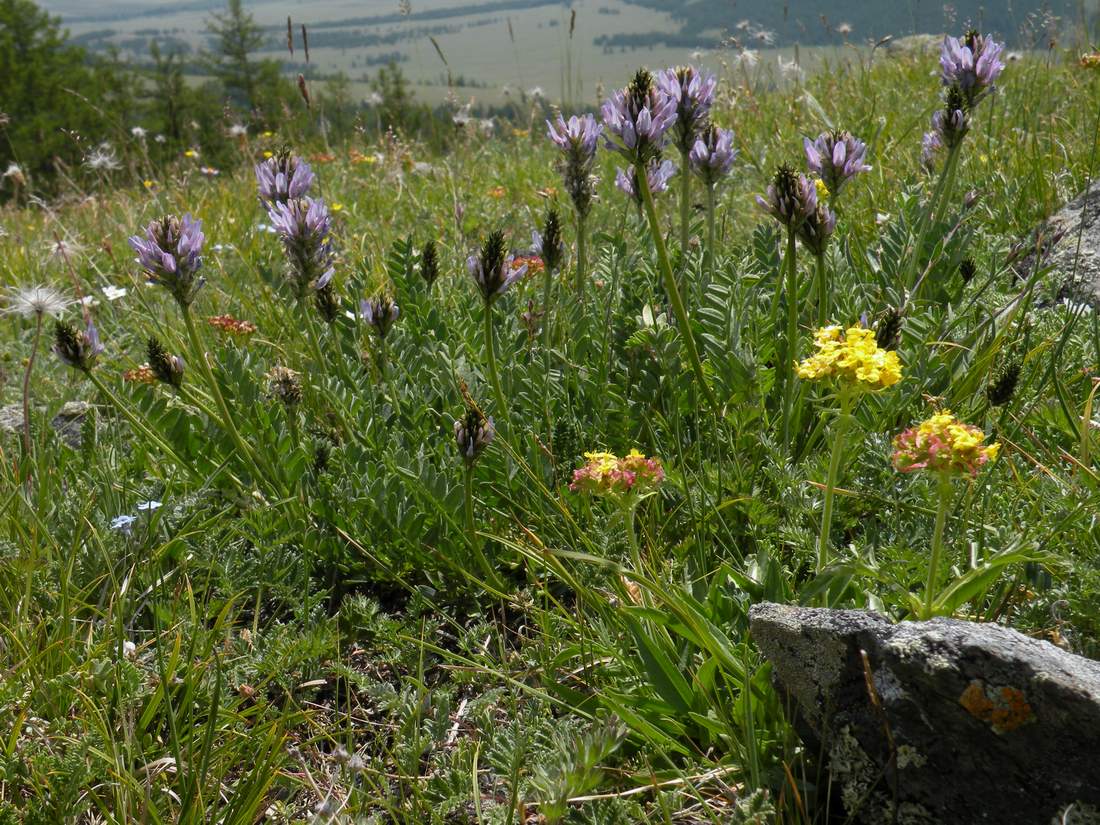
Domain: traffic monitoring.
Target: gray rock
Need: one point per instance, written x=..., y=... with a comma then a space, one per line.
x=966, y=723
x=11, y=418
x=1076, y=268
x=69, y=422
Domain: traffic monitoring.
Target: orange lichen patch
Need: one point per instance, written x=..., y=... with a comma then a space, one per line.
x=1003, y=708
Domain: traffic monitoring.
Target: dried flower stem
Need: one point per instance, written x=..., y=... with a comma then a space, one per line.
x=673, y=291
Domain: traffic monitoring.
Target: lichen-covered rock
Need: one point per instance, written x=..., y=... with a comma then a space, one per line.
x=1069, y=245
x=69, y=422
x=939, y=723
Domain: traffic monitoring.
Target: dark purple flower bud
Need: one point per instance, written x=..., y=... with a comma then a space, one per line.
x=577, y=138
x=171, y=255
x=713, y=155
x=548, y=244
x=304, y=227
x=657, y=175
x=836, y=158
x=791, y=198
x=77, y=348
x=639, y=117
x=283, y=177
x=429, y=263
x=379, y=312
x=492, y=270
x=693, y=92
x=473, y=433
x=167, y=368
x=816, y=230
x=972, y=64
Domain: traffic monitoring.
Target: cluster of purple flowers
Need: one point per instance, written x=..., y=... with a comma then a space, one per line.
x=473, y=433
x=791, y=197
x=639, y=118
x=578, y=139
x=969, y=68
x=282, y=178
x=304, y=226
x=713, y=155
x=692, y=91
x=836, y=158
x=170, y=253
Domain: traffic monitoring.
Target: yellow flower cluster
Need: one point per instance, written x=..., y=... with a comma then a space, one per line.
x=605, y=474
x=943, y=444
x=851, y=357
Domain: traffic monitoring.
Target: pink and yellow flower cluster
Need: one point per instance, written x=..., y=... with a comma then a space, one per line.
x=605, y=474
x=943, y=444
x=851, y=357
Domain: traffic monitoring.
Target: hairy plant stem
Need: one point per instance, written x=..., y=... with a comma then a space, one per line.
x=27, y=387
x=943, y=493
x=822, y=291
x=491, y=358
x=708, y=255
x=678, y=309
x=685, y=209
x=582, y=254
x=843, y=421
x=792, y=338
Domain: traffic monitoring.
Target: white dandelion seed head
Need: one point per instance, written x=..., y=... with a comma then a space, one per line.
x=35, y=301
x=844, y=29
x=238, y=130
x=62, y=250
x=102, y=159
x=139, y=133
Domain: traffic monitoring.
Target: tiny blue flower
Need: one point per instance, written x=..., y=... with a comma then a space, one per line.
x=123, y=524
x=148, y=505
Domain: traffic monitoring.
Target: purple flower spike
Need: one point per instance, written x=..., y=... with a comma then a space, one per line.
x=639, y=117
x=577, y=138
x=791, y=198
x=930, y=147
x=713, y=155
x=282, y=178
x=171, y=255
x=693, y=92
x=951, y=123
x=658, y=174
x=303, y=225
x=836, y=158
x=473, y=433
x=380, y=312
x=973, y=64
x=492, y=270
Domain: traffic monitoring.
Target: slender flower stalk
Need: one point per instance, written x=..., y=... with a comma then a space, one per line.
x=380, y=313
x=712, y=159
x=548, y=245
x=493, y=272
x=693, y=91
x=474, y=432
x=577, y=139
x=943, y=502
x=791, y=199
x=842, y=424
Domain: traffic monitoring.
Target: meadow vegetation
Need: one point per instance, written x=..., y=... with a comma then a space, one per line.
x=380, y=512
